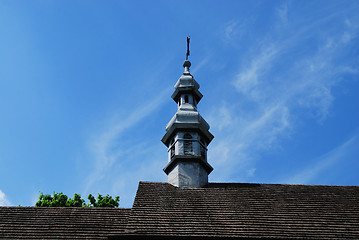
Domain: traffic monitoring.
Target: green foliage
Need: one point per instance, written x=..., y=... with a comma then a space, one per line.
x=61, y=200
x=106, y=201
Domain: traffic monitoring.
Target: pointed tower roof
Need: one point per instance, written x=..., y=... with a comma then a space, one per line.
x=186, y=83
x=184, y=118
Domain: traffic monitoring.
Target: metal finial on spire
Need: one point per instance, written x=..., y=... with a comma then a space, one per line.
x=187, y=54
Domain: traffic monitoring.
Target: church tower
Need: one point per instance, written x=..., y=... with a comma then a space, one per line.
x=187, y=135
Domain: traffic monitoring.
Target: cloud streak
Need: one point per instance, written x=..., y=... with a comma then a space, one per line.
x=3, y=199
x=276, y=88
x=109, y=150
x=324, y=162
x=248, y=79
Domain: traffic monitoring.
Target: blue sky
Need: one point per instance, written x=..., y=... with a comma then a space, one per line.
x=85, y=92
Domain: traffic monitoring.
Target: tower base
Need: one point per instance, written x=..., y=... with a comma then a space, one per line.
x=188, y=174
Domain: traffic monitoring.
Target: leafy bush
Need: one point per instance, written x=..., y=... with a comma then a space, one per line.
x=106, y=201
x=61, y=200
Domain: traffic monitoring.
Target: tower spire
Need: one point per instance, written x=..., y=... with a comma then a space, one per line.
x=187, y=135
x=187, y=53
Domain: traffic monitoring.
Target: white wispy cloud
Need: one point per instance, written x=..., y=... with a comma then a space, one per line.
x=109, y=150
x=319, y=165
x=234, y=31
x=231, y=29
x=234, y=150
x=282, y=12
x=277, y=90
x=248, y=79
x=102, y=145
x=198, y=66
x=3, y=199
x=224, y=117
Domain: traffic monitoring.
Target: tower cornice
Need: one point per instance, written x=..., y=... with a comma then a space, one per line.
x=188, y=159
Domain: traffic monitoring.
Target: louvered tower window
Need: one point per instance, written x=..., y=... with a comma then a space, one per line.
x=172, y=148
x=187, y=144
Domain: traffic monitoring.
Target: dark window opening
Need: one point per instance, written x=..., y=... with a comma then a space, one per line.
x=187, y=144
x=186, y=99
x=172, y=151
x=187, y=136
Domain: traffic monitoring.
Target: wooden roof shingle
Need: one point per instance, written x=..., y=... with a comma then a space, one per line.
x=217, y=211
x=61, y=223
x=257, y=211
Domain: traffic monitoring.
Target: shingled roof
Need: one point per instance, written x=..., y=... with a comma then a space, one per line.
x=257, y=211
x=61, y=223
x=217, y=211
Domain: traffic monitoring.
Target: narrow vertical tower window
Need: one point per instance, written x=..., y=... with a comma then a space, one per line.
x=187, y=135
x=187, y=144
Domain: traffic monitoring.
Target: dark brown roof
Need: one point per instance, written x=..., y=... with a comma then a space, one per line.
x=246, y=211
x=61, y=223
x=217, y=211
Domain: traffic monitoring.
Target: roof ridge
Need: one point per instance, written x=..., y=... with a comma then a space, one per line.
x=145, y=182
x=89, y=208
x=255, y=183
x=282, y=184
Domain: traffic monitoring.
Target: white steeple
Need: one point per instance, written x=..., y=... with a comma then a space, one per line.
x=187, y=135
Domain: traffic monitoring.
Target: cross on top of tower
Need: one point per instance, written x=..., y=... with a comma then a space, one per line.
x=186, y=63
x=187, y=53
